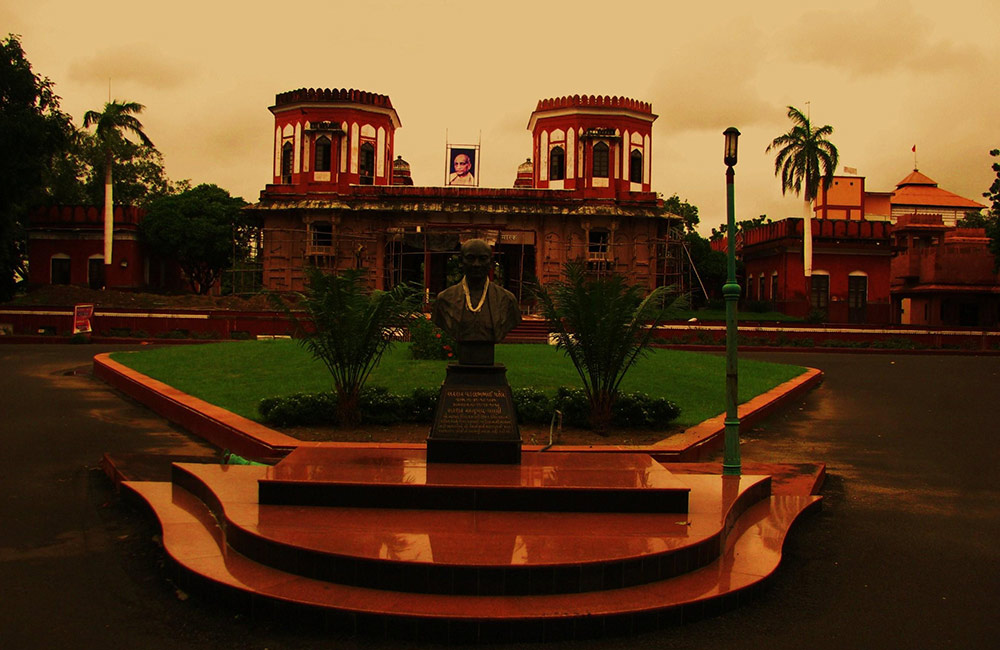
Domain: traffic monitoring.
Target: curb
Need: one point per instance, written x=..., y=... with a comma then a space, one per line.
x=253, y=440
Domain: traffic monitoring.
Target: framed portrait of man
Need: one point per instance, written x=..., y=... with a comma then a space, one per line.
x=462, y=166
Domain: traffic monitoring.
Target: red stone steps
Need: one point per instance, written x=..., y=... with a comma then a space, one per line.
x=752, y=550
x=466, y=551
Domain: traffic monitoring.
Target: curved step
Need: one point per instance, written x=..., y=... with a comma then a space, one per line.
x=475, y=553
x=194, y=541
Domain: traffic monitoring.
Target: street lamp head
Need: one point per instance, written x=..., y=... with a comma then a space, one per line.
x=732, y=135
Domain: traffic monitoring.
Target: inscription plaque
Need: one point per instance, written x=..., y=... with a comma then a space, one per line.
x=475, y=413
x=475, y=421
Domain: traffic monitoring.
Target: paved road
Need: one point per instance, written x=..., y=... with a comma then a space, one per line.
x=903, y=555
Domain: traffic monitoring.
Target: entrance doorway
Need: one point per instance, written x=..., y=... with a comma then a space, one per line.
x=517, y=266
x=857, y=298
x=95, y=272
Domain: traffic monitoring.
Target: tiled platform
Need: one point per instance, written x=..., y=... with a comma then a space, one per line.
x=402, y=478
x=461, y=573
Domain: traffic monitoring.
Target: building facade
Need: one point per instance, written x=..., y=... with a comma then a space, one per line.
x=339, y=199
x=857, y=257
x=66, y=246
x=943, y=275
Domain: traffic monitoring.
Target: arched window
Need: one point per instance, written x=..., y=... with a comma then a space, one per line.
x=635, y=166
x=286, y=163
x=366, y=164
x=557, y=164
x=323, y=150
x=601, y=157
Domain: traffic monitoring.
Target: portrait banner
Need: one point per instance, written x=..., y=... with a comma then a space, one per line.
x=462, y=166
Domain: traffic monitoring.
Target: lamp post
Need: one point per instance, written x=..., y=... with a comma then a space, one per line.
x=731, y=293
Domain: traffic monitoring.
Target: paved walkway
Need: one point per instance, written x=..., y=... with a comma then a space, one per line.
x=903, y=555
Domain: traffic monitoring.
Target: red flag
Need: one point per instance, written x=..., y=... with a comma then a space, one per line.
x=914, y=149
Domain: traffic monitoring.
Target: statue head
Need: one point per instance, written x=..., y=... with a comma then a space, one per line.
x=476, y=256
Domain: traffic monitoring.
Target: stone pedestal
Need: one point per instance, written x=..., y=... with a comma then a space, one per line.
x=475, y=420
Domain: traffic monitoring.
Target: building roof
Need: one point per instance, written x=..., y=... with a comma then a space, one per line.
x=919, y=190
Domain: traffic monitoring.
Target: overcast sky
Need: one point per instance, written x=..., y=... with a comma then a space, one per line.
x=886, y=75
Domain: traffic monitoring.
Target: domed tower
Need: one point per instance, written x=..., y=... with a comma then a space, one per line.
x=325, y=140
x=600, y=146
x=525, y=173
x=401, y=172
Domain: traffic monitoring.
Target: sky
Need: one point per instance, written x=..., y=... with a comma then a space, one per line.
x=886, y=75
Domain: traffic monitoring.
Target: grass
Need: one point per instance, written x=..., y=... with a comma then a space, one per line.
x=237, y=375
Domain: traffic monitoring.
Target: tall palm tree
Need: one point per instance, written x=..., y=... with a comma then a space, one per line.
x=804, y=160
x=112, y=124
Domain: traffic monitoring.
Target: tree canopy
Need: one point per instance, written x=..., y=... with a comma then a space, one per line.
x=34, y=132
x=992, y=224
x=684, y=210
x=202, y=229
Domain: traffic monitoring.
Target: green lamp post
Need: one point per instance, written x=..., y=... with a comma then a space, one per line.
x=731, y=293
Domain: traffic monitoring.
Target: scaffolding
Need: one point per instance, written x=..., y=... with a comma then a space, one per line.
x=428, y=257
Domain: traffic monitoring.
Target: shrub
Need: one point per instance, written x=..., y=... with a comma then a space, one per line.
x=424, y=403
x=574, y=404
x=299, y=409
x=532, y=405
x=816, y=316
x=631, y=410
x=376, y=404
x=379, y=406
x=428, y=341
x=640, y=411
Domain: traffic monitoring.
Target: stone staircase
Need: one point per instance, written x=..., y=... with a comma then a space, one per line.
x=564, y=545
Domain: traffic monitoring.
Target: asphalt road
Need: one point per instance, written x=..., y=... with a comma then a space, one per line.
x=904, y=553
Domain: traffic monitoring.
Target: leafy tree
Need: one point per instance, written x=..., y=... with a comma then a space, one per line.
x=111, y=126
x=139, y=176
x=711, y=266
x=741, y=225
x=201, y=229
x=348, y=328
x=33, y=134
x=683, y=209
x=992, y=218
x=601, y=325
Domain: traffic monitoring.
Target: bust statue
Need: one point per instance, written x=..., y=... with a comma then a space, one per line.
x=476, y=311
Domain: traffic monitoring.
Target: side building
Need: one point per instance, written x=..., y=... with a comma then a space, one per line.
x=341, y=198
x=859, y=237
x=66, y=246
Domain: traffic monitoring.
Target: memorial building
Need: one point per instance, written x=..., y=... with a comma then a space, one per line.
x=341, y=197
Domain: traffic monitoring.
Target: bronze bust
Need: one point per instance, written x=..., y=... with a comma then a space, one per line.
x=476, y=311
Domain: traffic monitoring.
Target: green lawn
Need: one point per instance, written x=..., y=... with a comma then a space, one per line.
x=236, y=376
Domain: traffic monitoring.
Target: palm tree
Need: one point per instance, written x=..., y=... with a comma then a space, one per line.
x=112, y=124
x=348, y=327
x=605, y=326
x=804, y=159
